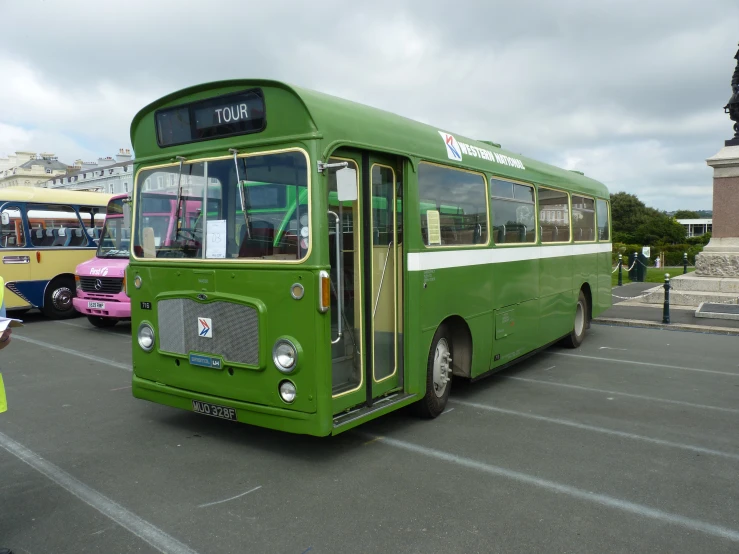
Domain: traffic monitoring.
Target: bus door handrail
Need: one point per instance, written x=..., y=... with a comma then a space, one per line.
x=382, y=278
x=339, y=274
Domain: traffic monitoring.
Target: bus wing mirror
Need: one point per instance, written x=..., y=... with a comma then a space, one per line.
x=346, y=184
x=5, y=218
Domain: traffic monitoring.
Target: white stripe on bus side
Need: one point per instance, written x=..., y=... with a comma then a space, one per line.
x=422, y=261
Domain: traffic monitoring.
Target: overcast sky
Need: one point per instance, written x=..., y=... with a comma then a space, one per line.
x=630, y=92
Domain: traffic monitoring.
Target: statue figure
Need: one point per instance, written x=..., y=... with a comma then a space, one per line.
x=732, y=108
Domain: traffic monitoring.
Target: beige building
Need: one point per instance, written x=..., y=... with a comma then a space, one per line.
x=29, y=169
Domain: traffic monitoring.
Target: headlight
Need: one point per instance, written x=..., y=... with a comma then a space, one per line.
x=77, y=283
x=146, y=337
x=287, y=392
x=285, y=355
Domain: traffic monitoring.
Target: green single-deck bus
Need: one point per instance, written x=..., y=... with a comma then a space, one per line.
x=329, y=262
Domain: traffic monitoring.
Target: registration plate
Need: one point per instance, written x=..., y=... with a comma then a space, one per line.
x=96, y=305
x=213, y=410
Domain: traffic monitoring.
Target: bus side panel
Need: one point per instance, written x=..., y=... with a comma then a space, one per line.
x=516, y=285
x=602, y=301
x=586, y=271
x=459, y=291
x=16, y=272
x=556, y=304
x=516, y=332
x=416, y=347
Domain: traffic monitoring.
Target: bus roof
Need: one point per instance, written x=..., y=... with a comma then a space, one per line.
x=306, y=114
x=51, y=196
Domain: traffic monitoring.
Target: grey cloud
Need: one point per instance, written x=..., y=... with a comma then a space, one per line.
x=565, y=80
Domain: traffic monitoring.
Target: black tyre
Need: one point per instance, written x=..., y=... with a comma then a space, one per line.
x=58, y=299
x=581, y=323
x=101, y=322
x=438, y=375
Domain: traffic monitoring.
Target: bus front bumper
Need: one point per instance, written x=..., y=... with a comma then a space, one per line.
x=279, y=419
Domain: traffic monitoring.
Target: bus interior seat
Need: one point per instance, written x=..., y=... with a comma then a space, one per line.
x=49, y=237
x=62, y=237
x=261, y=242
x=78, y=238
x=37, y=237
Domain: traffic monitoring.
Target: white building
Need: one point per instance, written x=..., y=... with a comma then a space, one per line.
x=696, y=227
x=29, y=169
x=108, y=175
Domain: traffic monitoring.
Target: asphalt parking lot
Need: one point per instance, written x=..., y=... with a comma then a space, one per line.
x=628, y=444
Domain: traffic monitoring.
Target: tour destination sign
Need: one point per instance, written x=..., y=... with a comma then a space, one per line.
x=232, y=114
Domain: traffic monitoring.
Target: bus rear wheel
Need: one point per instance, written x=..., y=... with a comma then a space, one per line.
x=577, y=335
x=101, y=322
x=438, y=375
x=58, y=299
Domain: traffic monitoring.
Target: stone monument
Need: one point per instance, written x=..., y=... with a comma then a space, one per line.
x=720, y=257
x=714, y=286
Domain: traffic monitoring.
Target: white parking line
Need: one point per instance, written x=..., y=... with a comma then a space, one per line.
x=91, y=328
x=626, y=394
x=574, y=492
x=648, y=364
x=120, y=515
x=72, y=352
x=584, y=427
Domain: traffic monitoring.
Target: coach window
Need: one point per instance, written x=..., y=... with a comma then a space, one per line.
x=514, y=212
x=603, y=226
x=11, y=229
x=583, y=219
x=554, y=213
x=51, y=225
x=454, y=207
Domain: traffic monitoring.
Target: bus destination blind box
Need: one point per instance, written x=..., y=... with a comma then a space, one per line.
x=223, y=116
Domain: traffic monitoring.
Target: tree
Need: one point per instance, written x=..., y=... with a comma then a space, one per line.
x=686, y=214
x=635, y=223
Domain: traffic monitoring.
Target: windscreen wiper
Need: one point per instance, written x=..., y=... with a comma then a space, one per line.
x=179, y=198
x=241, y=191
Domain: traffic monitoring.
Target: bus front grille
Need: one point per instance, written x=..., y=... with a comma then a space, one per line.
x=235, y=329
x=103, y=285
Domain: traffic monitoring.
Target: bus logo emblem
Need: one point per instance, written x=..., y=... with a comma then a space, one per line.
x=205, y=327
x=453, y=150
x=98, y=284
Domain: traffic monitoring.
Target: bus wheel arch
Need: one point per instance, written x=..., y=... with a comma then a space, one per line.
x=589, y=297
x=450, y=353
x=581, y=321
x=461, y=338
x=58, y=297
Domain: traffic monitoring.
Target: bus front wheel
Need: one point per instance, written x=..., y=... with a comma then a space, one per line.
x=101, y=322
x=577, y=335
x=438, y=375
x=58, y=298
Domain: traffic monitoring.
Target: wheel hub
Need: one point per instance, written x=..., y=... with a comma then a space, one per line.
x=62, y=299
x=442, y=367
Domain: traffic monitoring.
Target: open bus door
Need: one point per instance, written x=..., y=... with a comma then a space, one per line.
x=366, y=245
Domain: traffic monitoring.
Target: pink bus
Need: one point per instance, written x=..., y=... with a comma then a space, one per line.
x=100, y=281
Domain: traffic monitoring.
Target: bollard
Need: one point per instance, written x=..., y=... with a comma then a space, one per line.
x=666, y=309
x=620, y=273
x=685, y=263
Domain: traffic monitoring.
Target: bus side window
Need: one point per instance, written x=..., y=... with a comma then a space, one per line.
x=11, y=231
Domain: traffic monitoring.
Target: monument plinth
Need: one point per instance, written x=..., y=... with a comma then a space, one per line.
x=720, y=257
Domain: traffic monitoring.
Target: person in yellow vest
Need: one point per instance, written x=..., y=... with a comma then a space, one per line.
x=4, y=341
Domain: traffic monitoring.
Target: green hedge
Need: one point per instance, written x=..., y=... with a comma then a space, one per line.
x=673, y=252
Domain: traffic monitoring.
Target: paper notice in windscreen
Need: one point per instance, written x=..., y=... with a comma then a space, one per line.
x=433, y=226
x=215, y=246
x=6, y=322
